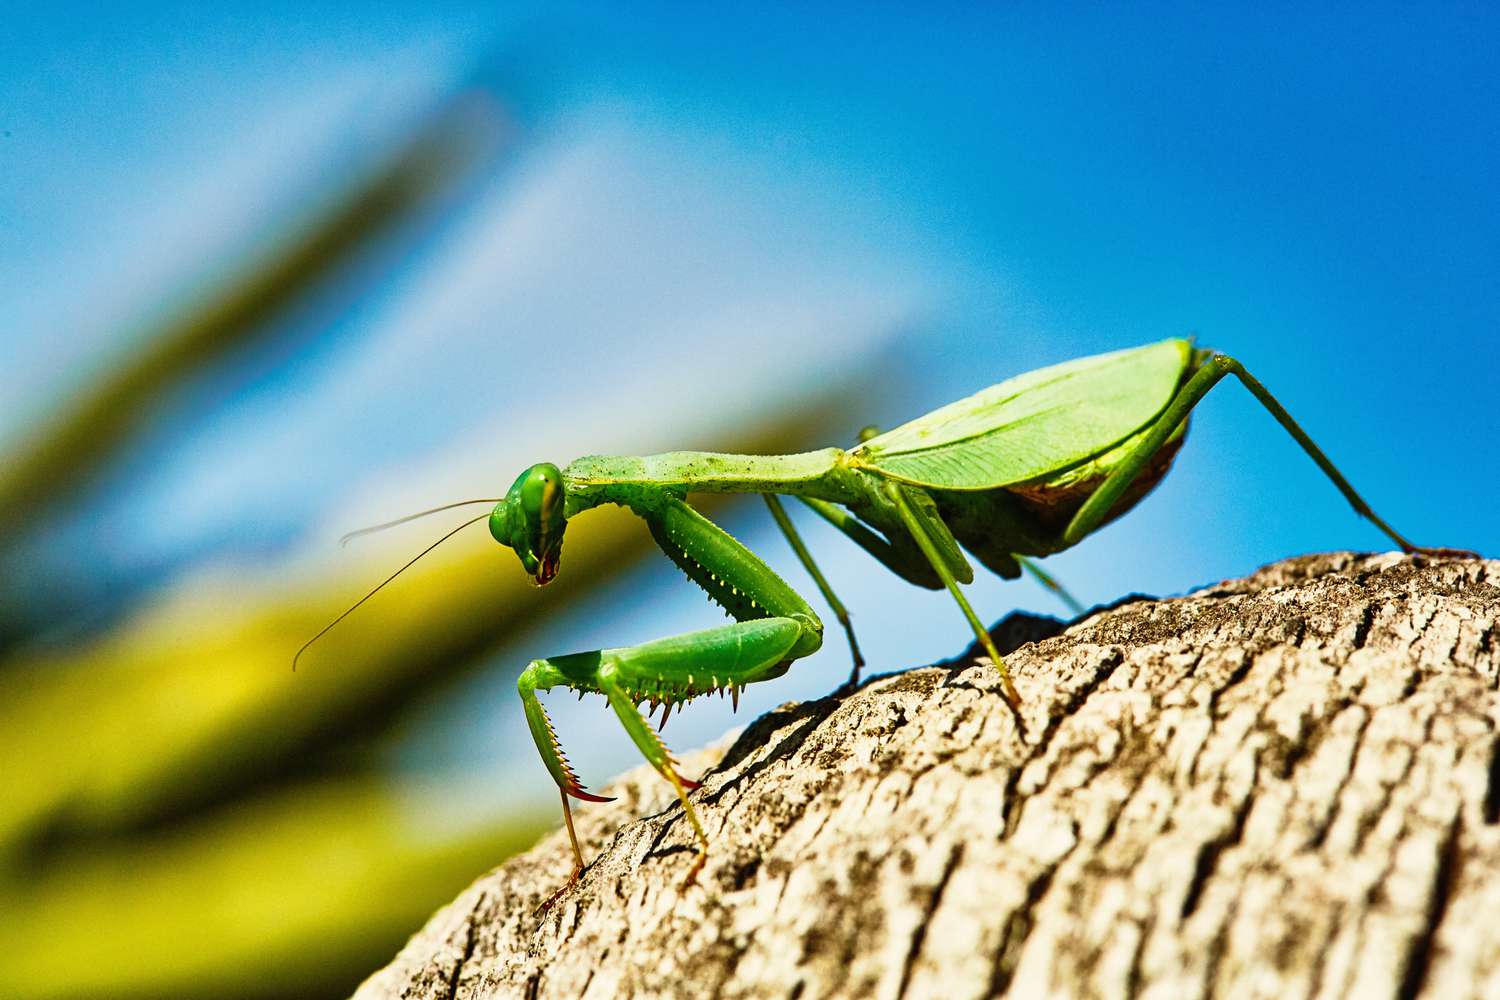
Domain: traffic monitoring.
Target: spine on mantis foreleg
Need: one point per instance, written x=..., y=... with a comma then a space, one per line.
x=733, y=577
x=544, y=675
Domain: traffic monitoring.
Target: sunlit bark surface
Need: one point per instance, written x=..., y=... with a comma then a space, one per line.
x=1282, y=786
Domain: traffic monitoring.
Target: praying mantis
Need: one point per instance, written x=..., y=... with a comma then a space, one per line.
x=1026, y=468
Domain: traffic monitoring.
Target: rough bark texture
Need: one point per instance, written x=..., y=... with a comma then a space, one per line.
x=1282, y=786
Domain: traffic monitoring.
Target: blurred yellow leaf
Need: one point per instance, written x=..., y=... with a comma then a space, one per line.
x=197, y=695
x=298, y=894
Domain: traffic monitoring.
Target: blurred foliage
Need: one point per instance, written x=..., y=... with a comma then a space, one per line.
x=296, y=895
x=72, y=442
x=194, y=698
x=180, y=816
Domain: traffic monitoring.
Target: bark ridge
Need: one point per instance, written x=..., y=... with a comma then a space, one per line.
x=1285, y=785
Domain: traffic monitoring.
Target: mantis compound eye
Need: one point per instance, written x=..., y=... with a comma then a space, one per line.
x=541, y=492
x=531, y=520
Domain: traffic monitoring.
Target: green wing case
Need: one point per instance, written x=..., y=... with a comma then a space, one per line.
x=1034, y=424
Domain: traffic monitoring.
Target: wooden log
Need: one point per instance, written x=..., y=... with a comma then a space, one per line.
x=1281, y=786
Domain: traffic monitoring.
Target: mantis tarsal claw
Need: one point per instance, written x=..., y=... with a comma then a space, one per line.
x=546, y=904
x=1026, y=468
x=1441, y=553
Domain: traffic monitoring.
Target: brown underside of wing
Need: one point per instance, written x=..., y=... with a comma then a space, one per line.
x=1055, y=504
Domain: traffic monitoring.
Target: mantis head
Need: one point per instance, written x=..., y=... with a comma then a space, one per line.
x=530, y=520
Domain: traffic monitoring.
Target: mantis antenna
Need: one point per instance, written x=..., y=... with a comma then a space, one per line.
x=324, y=631
x=412, y=517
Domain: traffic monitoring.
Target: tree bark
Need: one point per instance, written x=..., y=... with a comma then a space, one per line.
x=1281, y=786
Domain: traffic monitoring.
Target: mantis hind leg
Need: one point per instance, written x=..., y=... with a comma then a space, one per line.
x=1098, y=506
x=839, y=611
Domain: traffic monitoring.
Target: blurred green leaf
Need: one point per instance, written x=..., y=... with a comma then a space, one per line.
x=67, y=448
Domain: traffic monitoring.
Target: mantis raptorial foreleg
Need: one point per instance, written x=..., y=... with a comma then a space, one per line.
x=1097, y=509
x=544, y=675
x=664, y=672
x=839, y=611
x=938, y=545
x=679, y=668
x=775, y=627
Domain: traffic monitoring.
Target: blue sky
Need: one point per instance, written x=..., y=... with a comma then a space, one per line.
x=771, y=197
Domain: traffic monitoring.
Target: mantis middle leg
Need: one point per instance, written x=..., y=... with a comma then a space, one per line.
x=1098, y=506
x=937, y=561
x=775, y=626
x=839, y=611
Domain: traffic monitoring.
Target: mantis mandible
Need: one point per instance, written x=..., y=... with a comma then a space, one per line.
x=1028, y=467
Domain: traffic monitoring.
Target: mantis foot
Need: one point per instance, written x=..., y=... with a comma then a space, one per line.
x=1439, y=552
x=557, y=894
x=691, y=878
x=859, y=662
x=1009, y=693
x=1013, y=702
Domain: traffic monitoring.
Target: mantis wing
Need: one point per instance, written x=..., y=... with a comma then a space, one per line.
x=1034, y=424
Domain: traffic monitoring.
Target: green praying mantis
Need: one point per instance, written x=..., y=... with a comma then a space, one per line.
x=1025, y=468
